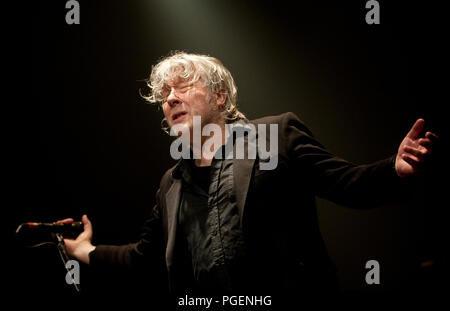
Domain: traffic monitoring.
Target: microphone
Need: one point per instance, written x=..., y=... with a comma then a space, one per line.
x=30, y=228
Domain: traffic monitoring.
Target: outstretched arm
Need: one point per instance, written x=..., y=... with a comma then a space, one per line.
x=150, y=243
x=348, y=184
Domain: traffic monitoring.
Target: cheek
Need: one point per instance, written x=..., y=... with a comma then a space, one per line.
x=200, y=104
x=166, y=109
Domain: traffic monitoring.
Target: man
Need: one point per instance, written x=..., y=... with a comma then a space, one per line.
x=225, y=225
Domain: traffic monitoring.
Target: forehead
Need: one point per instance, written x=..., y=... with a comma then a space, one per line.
x=177, y=81
x=174, y=81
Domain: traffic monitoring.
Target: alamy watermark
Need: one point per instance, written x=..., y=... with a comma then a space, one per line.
x=73, y=272
x=373, y=15
x=73, y=15
x=373, y=275
x=250, y=142
x=228, y=301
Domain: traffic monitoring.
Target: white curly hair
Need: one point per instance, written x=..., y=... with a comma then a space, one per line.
x=193, y=68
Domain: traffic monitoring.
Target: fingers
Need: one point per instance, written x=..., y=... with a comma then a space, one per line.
x=66, y=221
x=84, y=219
x=425, y=142
x=411, y=161
x=416, y=129
x=417, y=154
x=431, y=136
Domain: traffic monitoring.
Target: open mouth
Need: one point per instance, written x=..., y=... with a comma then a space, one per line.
x=178, y=115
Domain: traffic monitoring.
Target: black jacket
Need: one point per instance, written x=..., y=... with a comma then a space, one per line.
x=277, y=210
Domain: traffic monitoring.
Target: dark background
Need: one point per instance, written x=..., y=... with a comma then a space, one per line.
x=90, y=144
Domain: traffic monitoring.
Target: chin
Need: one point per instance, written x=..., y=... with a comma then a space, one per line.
x=180, y=128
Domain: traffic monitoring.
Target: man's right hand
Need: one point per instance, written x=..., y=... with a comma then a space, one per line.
x=81, y=246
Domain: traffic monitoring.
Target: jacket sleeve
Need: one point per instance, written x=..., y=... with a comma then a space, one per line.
x=334, y=178
x=149, y=248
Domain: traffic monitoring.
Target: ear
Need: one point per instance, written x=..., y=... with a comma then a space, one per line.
x=221, y=98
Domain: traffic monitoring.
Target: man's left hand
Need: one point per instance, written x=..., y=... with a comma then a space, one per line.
x=414, y=150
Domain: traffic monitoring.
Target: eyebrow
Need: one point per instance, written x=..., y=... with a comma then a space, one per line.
x=178, y=85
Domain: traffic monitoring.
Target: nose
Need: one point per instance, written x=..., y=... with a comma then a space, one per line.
x=172, y=98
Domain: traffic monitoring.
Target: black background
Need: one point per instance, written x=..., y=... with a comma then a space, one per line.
x=90, y=144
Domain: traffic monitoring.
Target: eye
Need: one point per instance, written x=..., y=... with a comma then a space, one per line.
x=164, y=94
x=184, y=88
x=179, y=89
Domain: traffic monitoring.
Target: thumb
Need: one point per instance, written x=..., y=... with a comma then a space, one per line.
x=86, y=223
x=416, y=129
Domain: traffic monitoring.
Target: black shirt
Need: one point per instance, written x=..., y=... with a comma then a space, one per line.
x=210, y=225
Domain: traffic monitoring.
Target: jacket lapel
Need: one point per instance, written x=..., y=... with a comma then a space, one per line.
x=242, y=172
x=173, y=202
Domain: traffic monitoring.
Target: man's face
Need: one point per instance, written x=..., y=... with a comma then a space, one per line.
x=183, y=100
